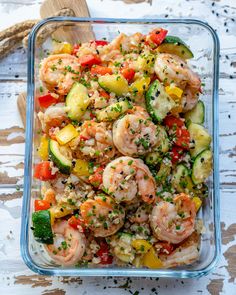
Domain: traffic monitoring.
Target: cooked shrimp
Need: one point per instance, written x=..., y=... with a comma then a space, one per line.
x=102, y=215
x=186, y=253
x=170, y=68
x=95, y=141
x=173, y=222
x=69, y=244
x=142, y=214
x=54, y=116
x=126, y=43
x=58, y=72
x=135, y=134
x=127, y=178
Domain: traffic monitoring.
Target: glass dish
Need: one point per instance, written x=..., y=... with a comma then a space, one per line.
x=205, y=45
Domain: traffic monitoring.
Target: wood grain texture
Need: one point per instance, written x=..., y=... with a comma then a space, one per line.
x=80, y=9
x=15, y=277
x=21, y=104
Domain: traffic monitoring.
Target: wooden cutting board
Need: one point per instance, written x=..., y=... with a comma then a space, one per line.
x=48, y=8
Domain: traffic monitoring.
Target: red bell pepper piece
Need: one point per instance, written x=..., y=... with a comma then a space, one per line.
x=75, y=222
x=43, y=171
x=99, y=42
x=104, y=254
x=89, y=60
x=128, y=74
x=41, y=205
x=46, y=100
x=100, y=70
x=157, y=36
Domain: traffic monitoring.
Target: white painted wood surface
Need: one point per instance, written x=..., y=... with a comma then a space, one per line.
x=15, y=278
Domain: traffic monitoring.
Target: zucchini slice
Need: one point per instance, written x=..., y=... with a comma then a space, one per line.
x=202, y=166
x=181, y=179
x=200, y=138
x=158, y=102
x=174, y=45
x=163, y=173
x=113, y=111
x=197, y=114
x=77, y=101
x=123, y=249
x=62, y=163
x=114, y=83
x=42, y=227
x=153, y=158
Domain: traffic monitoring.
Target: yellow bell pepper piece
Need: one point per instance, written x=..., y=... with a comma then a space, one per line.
x=151, y=260
x=66, y=134
x=138, y=87
x=198, y=202
x=43, y=148
x=141, y=245
x=62, y=47
x=174, y=91
x=52, y=216
x=59, y=212
x=81, y=168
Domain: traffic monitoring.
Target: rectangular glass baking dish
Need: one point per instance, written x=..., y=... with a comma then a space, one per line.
x=205, y=46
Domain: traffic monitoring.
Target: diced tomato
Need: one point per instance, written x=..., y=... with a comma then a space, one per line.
x=99, y=42
x=166, y=248
x=100, y=70
x=96, y=178
x=43, y=171
x=128, y=74
x=182, y=138
x=104, y=254
x=75, y=222
x=46, y=100
x=172, y=121
x=75, y=49
x=104, y=94
x=176, y=154
x=41, y=205
x=84, y=138
x=157, y=36
x=89, y=60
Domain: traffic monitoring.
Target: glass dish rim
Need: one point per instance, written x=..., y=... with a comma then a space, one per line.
x=24, y=246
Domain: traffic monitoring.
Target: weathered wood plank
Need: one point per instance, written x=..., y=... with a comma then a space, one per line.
x=14, y=275
x=20, y=279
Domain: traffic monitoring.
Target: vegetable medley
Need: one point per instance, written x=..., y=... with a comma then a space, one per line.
x=124, y=155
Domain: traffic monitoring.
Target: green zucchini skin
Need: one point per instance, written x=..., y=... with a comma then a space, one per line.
x=200, y=137
x=175, y=45
x=202, y=167
x=158, y=102
x=197, y=114
x=181, y=179
x=42, y=227
x=77, y=101
x=62, y=163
